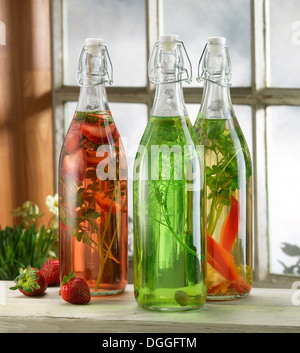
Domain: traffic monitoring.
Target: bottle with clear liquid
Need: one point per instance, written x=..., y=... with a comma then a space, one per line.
x=168, y=194
x=93, y=183
x=228, y=180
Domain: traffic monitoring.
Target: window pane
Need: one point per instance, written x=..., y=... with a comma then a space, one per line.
x=283, y=186
x=195, y=21
x=131, y=121
x=244, y=116
x=122, y=25
x=193, y=110
x=70, y=108
x=284, y=43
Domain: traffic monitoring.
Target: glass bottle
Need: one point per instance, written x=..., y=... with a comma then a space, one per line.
x=168, y=194
x=93, y=183
x=228, y=180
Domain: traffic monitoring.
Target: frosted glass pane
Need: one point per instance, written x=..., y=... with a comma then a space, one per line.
x=122, y=25
x=284, y=43
x=195, y=21
x=283, y=126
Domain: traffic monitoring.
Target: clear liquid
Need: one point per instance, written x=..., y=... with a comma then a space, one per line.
x=229, y=208
x=169, y=243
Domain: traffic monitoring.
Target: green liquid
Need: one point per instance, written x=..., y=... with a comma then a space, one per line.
x=169, y=247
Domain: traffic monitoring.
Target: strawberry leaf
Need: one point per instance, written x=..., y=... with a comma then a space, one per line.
x=66, y=279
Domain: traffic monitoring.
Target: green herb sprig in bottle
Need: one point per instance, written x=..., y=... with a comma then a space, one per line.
x=228, y=181
x=169, y=213
x=92, y=188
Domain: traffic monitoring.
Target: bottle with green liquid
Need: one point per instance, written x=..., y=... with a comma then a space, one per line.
x=228, y=180
x=168, y=193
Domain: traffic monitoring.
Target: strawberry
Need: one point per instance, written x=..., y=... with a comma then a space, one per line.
x=106, y=203
x=93, y=159
x=75, y=290
x=102, y=117
x=30, y=282
x=111, y=129
x=75, y=165
x=50, y=270
x=72, y=139
x=97, y=133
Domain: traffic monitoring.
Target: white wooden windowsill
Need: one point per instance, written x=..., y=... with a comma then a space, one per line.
x=265, y=310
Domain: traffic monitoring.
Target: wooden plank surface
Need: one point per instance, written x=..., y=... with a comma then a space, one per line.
x=265, y=310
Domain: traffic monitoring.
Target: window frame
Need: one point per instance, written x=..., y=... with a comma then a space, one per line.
x=259, y=96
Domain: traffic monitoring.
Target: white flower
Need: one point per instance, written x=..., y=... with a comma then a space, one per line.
x=52, y=203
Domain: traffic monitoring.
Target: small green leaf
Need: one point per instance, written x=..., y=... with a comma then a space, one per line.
x=86, y=238
x=66, y=279
x=79, y=236
x=91, y=214
x=79, y=200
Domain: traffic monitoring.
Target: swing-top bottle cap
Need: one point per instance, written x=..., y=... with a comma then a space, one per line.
x=216, y=41
x=216, y=45
x=93, y=44
x=216, y=62
x=94, y=41
x=168, y=41
x=166, y=63
x=100, y=68
x=168, y=38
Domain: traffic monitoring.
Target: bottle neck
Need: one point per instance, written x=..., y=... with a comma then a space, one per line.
x=169, y=100
x=216, y=101
x=93, y=98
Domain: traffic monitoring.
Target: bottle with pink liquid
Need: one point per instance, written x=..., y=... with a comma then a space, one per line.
x=93, y=183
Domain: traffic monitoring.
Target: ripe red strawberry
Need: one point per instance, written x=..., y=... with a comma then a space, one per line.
x=75, y=290
x=73, y=138
x=107, y=204
x=75, y=165
x=30, y=282
x=93, y=159
x=50, y=270
x=98, y=133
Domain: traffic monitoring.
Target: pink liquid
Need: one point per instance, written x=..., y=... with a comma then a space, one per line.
x=93, y=204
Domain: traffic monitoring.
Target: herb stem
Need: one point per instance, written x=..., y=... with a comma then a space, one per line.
x=165, y=213
x=65, y=186
x=211, y=216
x=67, y=211
x=101, y=241
x=117, y=227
